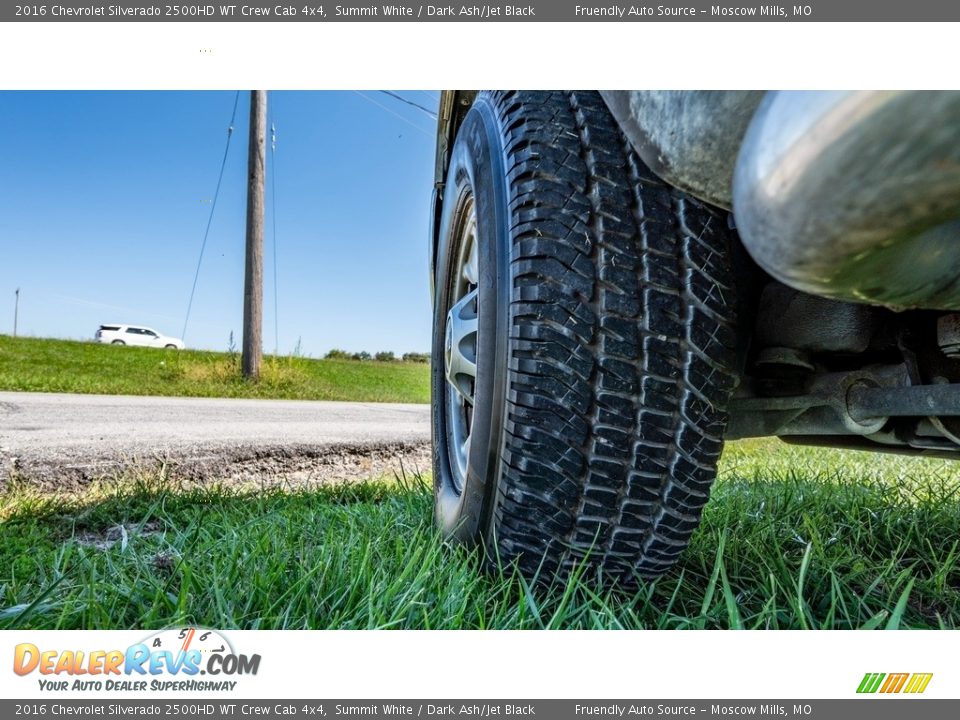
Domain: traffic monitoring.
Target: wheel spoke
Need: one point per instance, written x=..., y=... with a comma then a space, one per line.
x=471, y=268
x=461, y=346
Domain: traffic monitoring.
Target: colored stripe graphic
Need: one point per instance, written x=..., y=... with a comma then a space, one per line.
x=894, y=683
x=870, y=682
x=918, y=682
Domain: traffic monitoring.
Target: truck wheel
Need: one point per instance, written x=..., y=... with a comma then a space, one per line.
x=583, y=345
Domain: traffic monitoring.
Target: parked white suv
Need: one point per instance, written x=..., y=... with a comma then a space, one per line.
x=118, y=334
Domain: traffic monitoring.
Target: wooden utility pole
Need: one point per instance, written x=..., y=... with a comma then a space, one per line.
x=253, y=277
x=16, y=310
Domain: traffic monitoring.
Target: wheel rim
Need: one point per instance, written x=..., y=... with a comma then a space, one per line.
x=460, y=345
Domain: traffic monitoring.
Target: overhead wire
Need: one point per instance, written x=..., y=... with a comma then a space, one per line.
x=394, y=113
x=213, y=207
x=273, y=190
x=418, y=106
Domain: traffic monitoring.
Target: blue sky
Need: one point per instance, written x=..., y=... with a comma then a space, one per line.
x=104, y=197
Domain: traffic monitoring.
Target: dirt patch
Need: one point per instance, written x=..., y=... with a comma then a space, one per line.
x=293, y=465
x=118, y=534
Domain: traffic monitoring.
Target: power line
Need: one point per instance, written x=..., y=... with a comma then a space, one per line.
x=395, y=114
x=213, y=207
x=418, y=106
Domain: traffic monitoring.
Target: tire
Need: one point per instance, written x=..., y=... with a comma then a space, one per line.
x=118, y=342
x=169, y=347
x=603, y=341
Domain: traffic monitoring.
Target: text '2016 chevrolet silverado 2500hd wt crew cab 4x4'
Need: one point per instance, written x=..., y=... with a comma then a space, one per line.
x=622, y=280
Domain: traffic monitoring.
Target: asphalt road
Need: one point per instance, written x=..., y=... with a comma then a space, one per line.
x=46, y=436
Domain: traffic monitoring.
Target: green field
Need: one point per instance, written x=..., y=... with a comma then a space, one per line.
x=87, y=367
x=793, y=538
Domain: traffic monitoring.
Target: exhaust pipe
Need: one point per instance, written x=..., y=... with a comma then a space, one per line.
x=855, y=195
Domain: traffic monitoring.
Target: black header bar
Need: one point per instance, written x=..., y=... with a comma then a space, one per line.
x=520, y=11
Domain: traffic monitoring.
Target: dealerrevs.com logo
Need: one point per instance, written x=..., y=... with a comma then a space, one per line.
x=169, y=660
x=893, y=683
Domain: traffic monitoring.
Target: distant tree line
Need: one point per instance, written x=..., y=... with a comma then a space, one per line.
x=383, y=356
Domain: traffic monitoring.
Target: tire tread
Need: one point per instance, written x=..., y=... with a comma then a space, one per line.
x=621, y=347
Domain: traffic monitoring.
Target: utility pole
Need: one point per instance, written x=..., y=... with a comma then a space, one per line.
x=253, y=277
x=16, y=310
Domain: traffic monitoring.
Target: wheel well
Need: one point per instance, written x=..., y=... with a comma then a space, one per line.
x=454, y=106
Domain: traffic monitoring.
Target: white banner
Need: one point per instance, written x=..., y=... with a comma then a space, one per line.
x=483, y=664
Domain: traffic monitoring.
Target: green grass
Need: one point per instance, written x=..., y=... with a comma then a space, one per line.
x=87, y=367
x=793, y=538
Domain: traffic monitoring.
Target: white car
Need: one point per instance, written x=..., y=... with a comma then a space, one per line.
x=120, y=334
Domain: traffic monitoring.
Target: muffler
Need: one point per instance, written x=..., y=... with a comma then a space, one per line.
x=855, y=195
